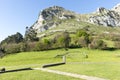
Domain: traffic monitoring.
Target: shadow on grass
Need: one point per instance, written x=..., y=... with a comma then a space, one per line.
x=110, y=49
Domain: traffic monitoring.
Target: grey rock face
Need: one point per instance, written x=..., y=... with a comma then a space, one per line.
x=105, y=17
x=53, y=16
x=48, y=16
x=116, y=8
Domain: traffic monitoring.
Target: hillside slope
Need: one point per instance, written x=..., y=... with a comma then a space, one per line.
x=57, y=19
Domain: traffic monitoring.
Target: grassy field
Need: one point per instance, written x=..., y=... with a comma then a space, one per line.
x=34, y=75
x=104, y=64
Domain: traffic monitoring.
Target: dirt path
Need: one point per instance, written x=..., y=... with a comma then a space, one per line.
x=70, y=74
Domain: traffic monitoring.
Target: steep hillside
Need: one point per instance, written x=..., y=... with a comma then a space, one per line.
x=106, y=17
x=57, y=19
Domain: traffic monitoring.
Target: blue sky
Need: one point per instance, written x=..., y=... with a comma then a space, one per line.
x=15, y=15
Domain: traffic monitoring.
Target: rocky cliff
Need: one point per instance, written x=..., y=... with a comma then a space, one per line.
x=106, y=17
x=116, y=8
x=50, y=17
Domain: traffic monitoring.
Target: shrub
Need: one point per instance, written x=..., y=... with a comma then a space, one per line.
x=23, y=47
x=12, y=48
x=2, y=53
x=62, y=40
x=97, y=44
x=82, y=38
x=30, y=46
x=81, y=33
x=40, y=46
x=47, y=44
x=83, y=41
x=117, y=44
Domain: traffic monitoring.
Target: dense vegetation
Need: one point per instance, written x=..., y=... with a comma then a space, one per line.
x=81, y=38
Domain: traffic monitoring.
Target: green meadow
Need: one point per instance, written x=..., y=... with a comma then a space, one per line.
x=100, y=63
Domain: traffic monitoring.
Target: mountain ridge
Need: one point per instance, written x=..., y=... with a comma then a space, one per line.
x=53, y=17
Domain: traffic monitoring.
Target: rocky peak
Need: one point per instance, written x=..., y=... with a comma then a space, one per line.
x=116, y=8
x=102, y=10
x=47, y=17
x=51, y=12
x=105, y=17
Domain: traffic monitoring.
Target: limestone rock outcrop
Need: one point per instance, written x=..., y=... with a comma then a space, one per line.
x=49, y=18
x=116, y=8
x=105, y=17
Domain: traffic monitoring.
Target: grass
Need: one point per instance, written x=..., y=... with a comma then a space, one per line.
x=30, y=59
x=34, y=75
x=104, y=64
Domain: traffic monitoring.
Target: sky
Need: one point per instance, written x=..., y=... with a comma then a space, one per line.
x=15, y=15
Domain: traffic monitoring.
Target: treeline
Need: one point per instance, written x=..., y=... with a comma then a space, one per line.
x=30, y=42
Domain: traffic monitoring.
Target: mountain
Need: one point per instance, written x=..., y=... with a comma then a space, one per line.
x=57, y=19
x=106, y=17
x=49, y=18
x=116, y=8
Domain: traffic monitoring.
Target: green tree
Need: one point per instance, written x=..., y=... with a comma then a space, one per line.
x=82, y=38
x=16, y=38
x=64, y=39
x=30, y=34
x=81, y=33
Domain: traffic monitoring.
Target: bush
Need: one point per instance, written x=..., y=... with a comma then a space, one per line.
x=39, y=46
x=2, y=53
x=23, y=47
x=30, y=46
x=62, y=40
x=47, y=44
x=81, y=33
x=83, y=41
x=97, y=44
x=82, y=38
x=110, y=36
x=12, y=48
x=117, y=44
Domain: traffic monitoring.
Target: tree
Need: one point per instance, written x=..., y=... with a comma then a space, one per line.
x=97, y=44
x=64, y=39
x=16, y=38
x=12, y=48
x=30, y=34
x=82, y=38
x=81, y=33
x=1, y=53
x=83, y=41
